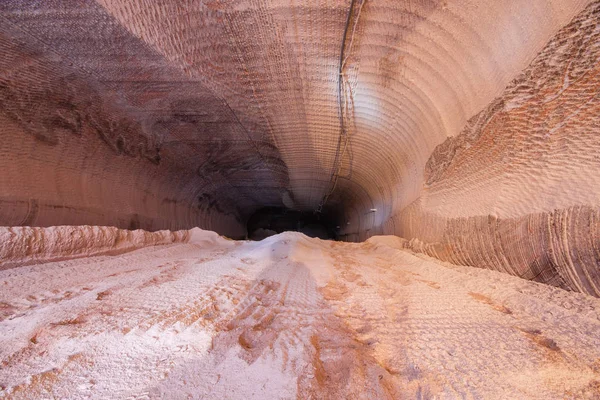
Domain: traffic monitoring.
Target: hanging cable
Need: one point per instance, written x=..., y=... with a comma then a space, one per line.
x=343, y=138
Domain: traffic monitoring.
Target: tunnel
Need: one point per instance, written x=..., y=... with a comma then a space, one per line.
x=317, y=199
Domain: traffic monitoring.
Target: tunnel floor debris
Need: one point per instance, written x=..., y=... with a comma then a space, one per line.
x=290, y=317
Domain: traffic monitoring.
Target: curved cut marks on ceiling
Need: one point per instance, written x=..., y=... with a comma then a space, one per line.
x=199, y=113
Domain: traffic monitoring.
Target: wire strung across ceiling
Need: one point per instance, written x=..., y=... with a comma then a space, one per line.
x=342, y=102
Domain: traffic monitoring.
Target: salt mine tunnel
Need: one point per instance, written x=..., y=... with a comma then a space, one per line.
x=324, y=199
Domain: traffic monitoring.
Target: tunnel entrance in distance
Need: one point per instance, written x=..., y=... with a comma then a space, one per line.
x=270, y=221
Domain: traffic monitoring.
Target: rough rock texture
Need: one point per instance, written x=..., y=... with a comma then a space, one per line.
x=174, y=114
x=518, y=190
x=99, y=129
x=196, y=113
x=25, y=245
x=289, y=317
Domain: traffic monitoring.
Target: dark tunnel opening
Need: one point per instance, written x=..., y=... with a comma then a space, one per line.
x=270, y=221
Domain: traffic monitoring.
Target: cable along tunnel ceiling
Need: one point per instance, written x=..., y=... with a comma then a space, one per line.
x=169, y=115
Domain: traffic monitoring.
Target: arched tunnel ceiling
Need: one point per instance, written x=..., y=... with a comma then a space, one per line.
x=198, y=113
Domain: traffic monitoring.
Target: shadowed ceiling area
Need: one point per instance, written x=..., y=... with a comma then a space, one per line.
x=469, y=127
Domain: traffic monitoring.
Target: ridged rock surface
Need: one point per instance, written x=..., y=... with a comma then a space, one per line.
x=518, y=190
x=28, y=245
x=469, y=127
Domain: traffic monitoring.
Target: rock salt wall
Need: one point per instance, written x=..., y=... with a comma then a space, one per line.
x=32, y=245
x=518, y=190
x=169, y=115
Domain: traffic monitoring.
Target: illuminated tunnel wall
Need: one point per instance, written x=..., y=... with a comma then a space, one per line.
x=471, y=128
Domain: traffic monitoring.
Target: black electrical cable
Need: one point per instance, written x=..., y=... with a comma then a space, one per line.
x=340, y=108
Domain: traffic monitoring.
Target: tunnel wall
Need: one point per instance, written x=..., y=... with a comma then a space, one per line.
x=518, y=189
x=72, y=155
x=178, y=114
x=99, y=129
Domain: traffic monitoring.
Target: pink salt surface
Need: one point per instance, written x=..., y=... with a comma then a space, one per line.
x=191, y=314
